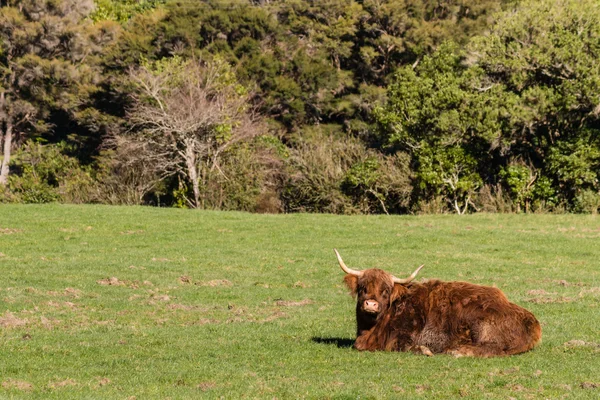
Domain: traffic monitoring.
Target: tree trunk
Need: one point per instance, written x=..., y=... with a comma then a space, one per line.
x=7, y=148
x=190, y=161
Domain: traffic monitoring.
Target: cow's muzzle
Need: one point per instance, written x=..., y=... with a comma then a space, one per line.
x=371, y=306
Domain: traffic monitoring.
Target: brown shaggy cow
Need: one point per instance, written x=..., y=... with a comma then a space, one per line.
x=458, y=318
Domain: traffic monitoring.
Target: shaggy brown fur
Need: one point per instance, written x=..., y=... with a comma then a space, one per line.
x=457, y=318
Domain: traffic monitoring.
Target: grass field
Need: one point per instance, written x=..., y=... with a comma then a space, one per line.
x=115, y=302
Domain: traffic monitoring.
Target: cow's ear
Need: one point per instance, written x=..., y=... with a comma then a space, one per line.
x=352, y=282
x=397, y=292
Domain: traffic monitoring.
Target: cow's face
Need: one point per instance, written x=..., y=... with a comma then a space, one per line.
x=374, y=290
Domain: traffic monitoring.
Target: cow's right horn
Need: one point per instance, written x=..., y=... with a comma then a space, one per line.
x=344, y=267
x=410, y=278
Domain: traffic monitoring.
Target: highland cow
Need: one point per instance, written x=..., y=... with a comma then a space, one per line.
x=458, y=318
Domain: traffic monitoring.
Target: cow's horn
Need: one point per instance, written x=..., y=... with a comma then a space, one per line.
x=410, y=278
x=344, y=267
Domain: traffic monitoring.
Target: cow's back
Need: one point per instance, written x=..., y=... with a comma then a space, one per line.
x=465, y=314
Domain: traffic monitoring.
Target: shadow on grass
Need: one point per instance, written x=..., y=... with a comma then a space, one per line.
x=339, y=342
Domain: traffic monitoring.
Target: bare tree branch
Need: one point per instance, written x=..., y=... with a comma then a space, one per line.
x=189, y=118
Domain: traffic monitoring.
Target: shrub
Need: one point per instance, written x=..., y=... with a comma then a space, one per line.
x=127, y=174
x=247, y=177
x=587, y=202
x=338, y=174
x=44, y=174
x=493, y=199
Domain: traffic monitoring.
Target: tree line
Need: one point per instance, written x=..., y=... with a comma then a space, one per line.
x=338, y=106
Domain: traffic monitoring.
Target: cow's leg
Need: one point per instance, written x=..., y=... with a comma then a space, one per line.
x=425, y=351
x=378, y=337
x=365, y=341
x=482, y=350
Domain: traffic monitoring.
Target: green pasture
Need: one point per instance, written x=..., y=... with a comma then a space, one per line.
x=102, y=302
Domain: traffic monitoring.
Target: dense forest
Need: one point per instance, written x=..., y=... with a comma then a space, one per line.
x=337, y=106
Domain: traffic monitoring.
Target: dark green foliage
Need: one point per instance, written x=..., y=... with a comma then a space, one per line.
x=546, y=56
x=122, y=10
x=310, y=63
x=430, y=114
x=49, y=74
x=308, y=59
x=519, y=107
x=372, y=106
x=44, y=174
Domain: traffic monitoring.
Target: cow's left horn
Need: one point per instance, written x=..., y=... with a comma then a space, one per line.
x=410, y=278
x=344, y=267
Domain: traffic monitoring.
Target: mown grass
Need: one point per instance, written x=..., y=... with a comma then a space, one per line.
x=114, y=302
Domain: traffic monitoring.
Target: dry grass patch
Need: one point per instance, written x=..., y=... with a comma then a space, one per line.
x=205, y=386
x=114, y=281
x=398, y=389
x=17, y=384
x=274, y=316
x=70, y=292
x=551, y=300
x=49, y=323
x=61, y=384
x=9, y=320
x=580, y=343
x=206, y=321
x=589, y=385
x=539, y=292
x=215, y=282
x=420, y=389
x=10, y=231
x=161, y=297
x=284, y=303
x=593, y=291
x=543, y=297
x=184, y=307
x=64, y=304
x=103, y=381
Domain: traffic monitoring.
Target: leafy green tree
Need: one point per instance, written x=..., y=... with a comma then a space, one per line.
x=545, y=57
x=436, y=113
x=520, y=180
x=528, y=90
x=401, y=32
x=47, y=53
x=313, y=62
x=449, y=172
x=576, y=164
